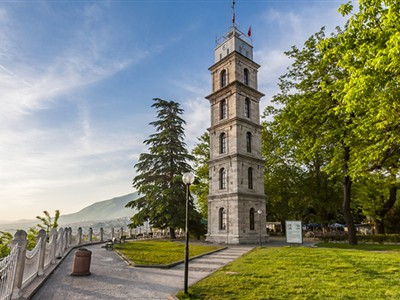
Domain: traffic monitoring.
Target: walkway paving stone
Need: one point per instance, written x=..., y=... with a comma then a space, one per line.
x=111, y=278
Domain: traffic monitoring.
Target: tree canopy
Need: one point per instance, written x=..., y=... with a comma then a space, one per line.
x=338, y=110
x=201, y=153
x=159, y=173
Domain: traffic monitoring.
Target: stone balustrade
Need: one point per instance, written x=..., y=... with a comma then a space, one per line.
x=22, y=266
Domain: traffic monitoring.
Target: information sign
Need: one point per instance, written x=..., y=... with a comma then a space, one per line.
x=294, y=232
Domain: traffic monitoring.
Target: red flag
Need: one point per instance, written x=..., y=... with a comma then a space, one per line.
x=249, y=32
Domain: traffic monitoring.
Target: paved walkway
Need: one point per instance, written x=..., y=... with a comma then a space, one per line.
x=112, y=278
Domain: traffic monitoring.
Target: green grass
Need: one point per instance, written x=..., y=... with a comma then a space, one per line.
x=367, y=247
x=160, y=252
x=304, y=273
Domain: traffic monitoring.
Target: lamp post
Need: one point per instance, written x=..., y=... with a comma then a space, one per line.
x=188, y=179
x=259, y=213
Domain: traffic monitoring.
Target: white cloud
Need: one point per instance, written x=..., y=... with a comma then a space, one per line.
x=283, y=30
x=51, y=164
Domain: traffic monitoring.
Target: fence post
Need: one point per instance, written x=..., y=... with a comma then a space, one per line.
x=60, y=244
x=65, y=240
x=53, y=245
x=21, y=242
x=101, y=234
x=69, y=237
x=66, y=233
x=42, y=237
x=79, y=235
x=90, y=234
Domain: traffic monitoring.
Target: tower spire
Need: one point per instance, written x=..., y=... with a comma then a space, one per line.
x=233, y=12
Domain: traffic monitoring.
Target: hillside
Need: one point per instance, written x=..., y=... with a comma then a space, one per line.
x=102, y=210
x=111, y=209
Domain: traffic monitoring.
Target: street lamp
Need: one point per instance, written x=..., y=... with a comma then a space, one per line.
x=259, y=213
x=188, y=179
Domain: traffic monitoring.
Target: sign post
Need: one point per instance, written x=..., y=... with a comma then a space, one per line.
x=294, y=232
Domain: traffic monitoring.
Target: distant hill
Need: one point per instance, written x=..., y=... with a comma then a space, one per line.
x=106, y=210
x=103, y=210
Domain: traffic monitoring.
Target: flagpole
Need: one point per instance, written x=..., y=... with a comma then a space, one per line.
x=233, y=12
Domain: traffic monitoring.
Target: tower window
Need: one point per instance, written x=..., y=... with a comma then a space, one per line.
x=250, y=178
x=222, y=143
x=246, y=76
x=222, y=179
x=248, y=141
x=222, y=109
x=223, y=78
x=251, y=217
x=222, y=218
x=247, y=108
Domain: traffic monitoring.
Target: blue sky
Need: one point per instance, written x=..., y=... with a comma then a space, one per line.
x=77, y=79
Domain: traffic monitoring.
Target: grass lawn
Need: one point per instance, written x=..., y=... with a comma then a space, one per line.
x=369, y=247
x=160, y=252
x=304, y=273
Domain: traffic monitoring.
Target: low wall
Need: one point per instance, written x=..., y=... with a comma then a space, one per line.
x=22, y=266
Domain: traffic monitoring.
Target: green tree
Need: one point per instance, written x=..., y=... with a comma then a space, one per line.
x=201, y=153
x=311, y=119
x=159, y=174
x=5, y=239
x=369, y=50
x=296, y=189
x=48, y=222
x=31, y=237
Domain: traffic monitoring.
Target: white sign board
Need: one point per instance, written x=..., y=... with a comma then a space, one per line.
x=294, y=233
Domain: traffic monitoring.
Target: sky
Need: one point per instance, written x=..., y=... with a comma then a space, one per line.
x=77, y=79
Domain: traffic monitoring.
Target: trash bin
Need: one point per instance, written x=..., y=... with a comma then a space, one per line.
x=81, y=265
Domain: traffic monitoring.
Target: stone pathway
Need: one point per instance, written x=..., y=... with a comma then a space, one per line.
x=112, y=278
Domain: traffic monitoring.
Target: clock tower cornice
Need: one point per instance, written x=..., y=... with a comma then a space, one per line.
x=233, y=87
x=232, y=57
x=235, y=120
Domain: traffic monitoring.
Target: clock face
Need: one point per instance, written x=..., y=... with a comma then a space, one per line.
x=224, y=47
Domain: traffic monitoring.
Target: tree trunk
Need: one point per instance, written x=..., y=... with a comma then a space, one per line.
x=172, y=235
x=347, y=199
x=379, y=227
x=379, y=224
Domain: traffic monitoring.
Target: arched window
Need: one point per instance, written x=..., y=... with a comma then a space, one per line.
x=223, y=78
x=222, y=179
x=247, y=108
x=248, y=141
x=246, y=76
x=222, y=143
x=222, y=109
x=222, y=218
x=251, y=217
x=250, y=178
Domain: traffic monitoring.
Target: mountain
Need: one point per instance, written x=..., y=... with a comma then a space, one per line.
x=106, y=210
x=103, y=210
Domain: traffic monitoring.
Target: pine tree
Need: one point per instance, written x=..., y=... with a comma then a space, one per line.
x=159, y=173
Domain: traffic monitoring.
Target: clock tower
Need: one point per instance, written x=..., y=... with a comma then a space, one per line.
x=236, y=200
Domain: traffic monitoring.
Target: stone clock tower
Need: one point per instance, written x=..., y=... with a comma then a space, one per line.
x=236, y=200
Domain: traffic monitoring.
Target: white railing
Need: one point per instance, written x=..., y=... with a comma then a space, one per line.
x=22, y=266
x=7, y=274
x=31, y=263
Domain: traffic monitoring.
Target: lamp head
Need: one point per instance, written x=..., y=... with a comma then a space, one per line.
x=188, y=178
